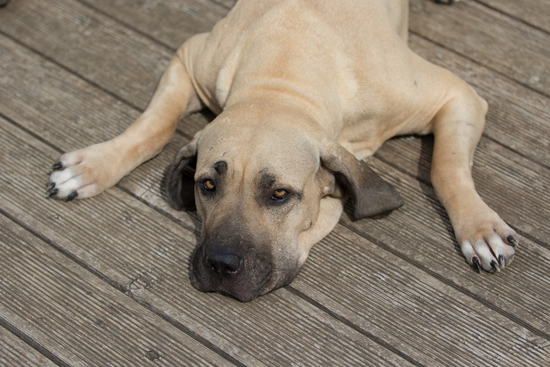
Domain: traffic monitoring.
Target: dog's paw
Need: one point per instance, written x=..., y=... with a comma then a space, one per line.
x=84, y=173
x=487, y=241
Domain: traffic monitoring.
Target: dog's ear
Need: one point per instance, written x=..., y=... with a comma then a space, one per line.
x=179, y=183
x=370, y=194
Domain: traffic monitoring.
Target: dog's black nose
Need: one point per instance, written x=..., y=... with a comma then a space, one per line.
x=224, y=262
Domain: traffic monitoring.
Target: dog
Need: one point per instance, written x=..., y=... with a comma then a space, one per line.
x=303, y=91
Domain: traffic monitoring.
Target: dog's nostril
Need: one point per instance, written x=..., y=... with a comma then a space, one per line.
x=224, y=263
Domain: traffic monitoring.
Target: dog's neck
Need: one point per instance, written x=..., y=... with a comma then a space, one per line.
x=271, y=104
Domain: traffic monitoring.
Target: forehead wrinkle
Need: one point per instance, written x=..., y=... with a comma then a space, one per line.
x=267, y=180
x=220, y=167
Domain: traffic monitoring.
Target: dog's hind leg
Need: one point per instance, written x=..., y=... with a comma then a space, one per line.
x=484, y=238
x=89, y=171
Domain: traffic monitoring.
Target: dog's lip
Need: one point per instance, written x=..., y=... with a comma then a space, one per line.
x=266, y=283
x=263, y=287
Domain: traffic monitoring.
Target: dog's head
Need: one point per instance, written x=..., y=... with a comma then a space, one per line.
x=266, y=194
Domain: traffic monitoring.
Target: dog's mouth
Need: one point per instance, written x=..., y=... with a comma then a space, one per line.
x=241, y=294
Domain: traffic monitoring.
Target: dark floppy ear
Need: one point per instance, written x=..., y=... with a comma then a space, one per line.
x=370, y=194
x=179, y=184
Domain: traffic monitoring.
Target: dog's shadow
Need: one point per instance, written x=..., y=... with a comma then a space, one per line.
x=423, y=172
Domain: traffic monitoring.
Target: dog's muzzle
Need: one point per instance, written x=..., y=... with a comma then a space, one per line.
x=230, y=267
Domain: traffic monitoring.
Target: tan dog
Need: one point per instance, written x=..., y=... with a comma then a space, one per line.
x=304, y=90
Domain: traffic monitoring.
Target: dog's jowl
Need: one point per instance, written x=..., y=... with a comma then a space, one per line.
x=302, y=93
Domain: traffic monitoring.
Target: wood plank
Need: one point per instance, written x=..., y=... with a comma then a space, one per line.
x=518, y=117
x=533, y=12
x=428, y=319
x=170, y=22
x=515, y=187
x=488, y=37
x=15, y=352
x=77, y=317
x=421, y=233
x=94, y=46
x=60, y=107
x=149, y=263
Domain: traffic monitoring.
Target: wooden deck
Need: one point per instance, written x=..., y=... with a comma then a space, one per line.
x=103, y=282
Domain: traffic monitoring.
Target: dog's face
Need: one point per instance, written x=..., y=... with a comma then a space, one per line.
x=265, y=197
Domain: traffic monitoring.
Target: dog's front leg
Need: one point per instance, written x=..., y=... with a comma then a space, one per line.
x=484, y=238
x=89, y=171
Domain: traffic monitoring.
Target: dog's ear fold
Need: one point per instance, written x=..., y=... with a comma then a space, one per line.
x=370, y=194
x=179, y=183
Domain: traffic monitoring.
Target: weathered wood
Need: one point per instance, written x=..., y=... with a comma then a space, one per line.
x=534, y=12
x=421, y=233
x=145, y=254
x=490, y=38
x=93, y=46
x=79, y=318
x=429, y=320
x=515, y=187
x=14, y=352
x=517, y=118
x=171, y=21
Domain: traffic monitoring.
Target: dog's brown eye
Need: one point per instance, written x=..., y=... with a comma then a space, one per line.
x=209, y=185
x=280, y=194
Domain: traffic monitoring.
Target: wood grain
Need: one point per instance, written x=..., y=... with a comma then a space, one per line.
x=488, y=37
x=517, y=118
x=15, y=352
x=77, y=317
x=533, y=12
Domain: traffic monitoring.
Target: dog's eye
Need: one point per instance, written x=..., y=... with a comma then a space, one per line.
x=209, y=185
x=279, y=194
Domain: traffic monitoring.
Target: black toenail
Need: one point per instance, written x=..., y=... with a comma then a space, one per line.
x=501, y=260
x=446, y=2
x=57, y=166
x=72, y=196
x=511, y=240
x=51, y=185
x=52, y=192
x=495, y=266
x=476, y=265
